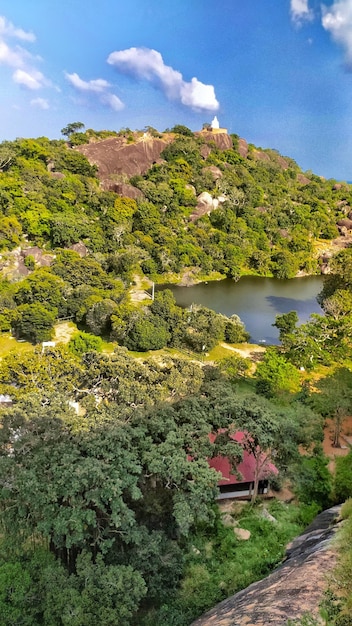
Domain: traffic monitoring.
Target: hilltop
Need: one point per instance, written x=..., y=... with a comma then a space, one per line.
x=172, y=202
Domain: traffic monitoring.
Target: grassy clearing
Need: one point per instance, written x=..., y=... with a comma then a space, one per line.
x=9, y=344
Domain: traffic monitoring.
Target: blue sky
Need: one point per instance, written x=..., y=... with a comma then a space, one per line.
x=276, y=72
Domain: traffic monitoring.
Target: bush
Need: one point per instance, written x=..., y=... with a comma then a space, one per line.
x=313, y=483
x=343, y=478
x=84, y=342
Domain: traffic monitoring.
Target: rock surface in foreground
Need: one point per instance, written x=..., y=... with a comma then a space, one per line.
x=293, y=589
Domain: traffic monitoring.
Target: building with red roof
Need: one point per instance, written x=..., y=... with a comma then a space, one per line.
x=240, y=482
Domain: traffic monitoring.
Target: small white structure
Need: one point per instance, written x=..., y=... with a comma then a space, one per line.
x=215, y=123
x=5, y=399
x=74, y=405
x=48, y=344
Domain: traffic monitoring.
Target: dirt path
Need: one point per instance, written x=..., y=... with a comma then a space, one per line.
x=64, y=332
x=247, y=351
x=138, y=291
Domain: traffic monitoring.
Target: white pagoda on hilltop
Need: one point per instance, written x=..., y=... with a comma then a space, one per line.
x=215, y=124
x=214, y=127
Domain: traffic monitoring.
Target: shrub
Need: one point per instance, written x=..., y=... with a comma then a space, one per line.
x=343, y=478
x=84, y=342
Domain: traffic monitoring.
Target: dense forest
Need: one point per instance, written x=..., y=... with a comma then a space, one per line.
x=107, y=501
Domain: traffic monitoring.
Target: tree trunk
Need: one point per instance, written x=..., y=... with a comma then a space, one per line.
x=338, y=420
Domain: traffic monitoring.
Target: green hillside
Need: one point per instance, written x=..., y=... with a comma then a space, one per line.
x=107, y=500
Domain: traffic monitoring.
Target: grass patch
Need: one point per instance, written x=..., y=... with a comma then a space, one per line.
x=9, y=344
x=109, y=346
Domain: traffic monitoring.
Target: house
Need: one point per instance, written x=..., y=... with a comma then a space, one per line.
x=241, y=483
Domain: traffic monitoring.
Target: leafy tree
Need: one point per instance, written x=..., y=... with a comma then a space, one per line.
x=275, y=375
x=334, y=399
x=34, y=322
x=235, y=366
x=98, y=318
x=71, y=128
x=10, y=232
x=179, y=129
x=204, y=329
x=16, y=595
x=343, y=478
x=286, y=323
x=235, y=331
x=312, y=480
x=148, y=333
x=43, y=287
x=39, y=372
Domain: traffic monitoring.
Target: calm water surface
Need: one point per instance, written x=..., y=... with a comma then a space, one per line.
x=256, y=300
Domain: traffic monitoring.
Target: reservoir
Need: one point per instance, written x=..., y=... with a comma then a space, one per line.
x=256, y=300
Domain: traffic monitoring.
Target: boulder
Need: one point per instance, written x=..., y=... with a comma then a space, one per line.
x=214, y=171
x=242, y=533
x=123, y=189
x=243, y=148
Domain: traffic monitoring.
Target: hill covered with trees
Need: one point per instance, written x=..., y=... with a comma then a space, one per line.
x=107, y=500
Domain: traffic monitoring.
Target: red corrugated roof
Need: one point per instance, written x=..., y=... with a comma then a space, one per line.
x=246, y=468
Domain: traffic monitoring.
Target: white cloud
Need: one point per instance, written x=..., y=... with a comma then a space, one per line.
x=7, y=29
x=300, y=10
x=337, y=20
x=148, y=64
x=112, y=101
x=41, y=103
x=31, y=79
x=19, y=58
x=98, y=86
x=13, y=57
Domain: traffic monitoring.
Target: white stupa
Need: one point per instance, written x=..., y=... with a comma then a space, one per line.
x=215, y=123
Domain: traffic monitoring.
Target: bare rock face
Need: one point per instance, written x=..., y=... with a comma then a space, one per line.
x=303, y=179
x=115, y=156
x=81, y=248
x=293, y=589
x=223, y=141
x=243, y=148
x=214, y=171
x=123, y=189
x=41, y=258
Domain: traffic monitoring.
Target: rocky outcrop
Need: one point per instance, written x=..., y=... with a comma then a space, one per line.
x=115, y=156
x=205, y=204
x=243, y=148
x=302, y=179
x=293, y=589
x=344, y=225
x=125, y=190
x=214, y=171
x=222, y=141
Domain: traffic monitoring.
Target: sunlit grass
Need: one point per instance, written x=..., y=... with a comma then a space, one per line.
x=9, y=344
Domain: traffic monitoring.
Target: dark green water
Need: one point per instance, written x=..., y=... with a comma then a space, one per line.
x=256, y=300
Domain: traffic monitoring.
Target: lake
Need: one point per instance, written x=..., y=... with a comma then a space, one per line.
x=256, y=300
